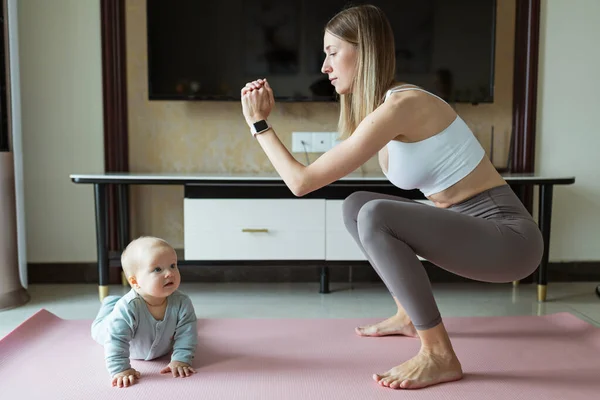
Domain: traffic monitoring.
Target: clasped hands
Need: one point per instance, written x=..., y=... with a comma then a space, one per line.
x=130, y=376
x=257, y=101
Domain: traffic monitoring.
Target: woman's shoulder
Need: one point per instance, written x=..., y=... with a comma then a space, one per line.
x=419, y=112
x=405, y=91
x=416, y=97
x=404, y=97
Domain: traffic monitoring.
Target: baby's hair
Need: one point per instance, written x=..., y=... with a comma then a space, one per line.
x=131, y=255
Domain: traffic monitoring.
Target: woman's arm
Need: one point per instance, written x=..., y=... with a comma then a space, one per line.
x=291, y=171
x=394, y=117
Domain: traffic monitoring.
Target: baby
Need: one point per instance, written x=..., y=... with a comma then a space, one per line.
x=152, y=319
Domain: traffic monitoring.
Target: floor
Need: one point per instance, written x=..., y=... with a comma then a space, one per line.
x=302, y=300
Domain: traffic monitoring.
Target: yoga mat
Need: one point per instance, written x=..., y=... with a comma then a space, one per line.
x=548, y=357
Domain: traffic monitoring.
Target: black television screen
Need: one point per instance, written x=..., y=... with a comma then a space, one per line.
x=209, y=49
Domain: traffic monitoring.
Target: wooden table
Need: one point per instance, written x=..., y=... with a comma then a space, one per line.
x=272, y=186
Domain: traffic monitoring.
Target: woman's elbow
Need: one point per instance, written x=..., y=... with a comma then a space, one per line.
x=299, y=190
x=299, y=187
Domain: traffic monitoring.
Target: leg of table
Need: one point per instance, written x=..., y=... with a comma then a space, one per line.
x=123, y=217
x=520, y=192
x=544, y=220
x=350, y=277
x=101, y=244
x=324, y=280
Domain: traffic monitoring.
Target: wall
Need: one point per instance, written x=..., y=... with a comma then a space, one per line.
x=62, y=126
x=568, y=139
x=61, y=110
x=207, y=137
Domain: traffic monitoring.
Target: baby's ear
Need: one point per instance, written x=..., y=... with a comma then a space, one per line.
x=132, y=281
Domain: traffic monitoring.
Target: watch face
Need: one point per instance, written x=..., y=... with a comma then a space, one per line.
x=260, y=125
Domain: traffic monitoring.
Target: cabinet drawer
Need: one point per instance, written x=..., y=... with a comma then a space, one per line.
x=339, y=244
x=254, y=229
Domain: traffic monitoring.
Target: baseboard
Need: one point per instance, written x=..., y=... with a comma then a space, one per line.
x=588, y=271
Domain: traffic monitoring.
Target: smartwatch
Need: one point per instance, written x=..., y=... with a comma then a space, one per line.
x=259, y=127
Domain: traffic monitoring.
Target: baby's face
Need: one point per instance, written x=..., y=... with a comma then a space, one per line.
x=158, y=275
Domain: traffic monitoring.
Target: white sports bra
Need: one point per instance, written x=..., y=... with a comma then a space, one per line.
x=436, y=163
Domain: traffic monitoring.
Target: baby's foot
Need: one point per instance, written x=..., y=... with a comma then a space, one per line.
x=396, y=325
x=421, y=371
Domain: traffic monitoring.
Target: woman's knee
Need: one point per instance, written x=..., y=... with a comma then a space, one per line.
x=352, y=205
x=372, y=218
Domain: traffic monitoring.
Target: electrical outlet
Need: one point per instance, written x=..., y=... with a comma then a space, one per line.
x=313, y=142
x=297, y=142
x=321, y=142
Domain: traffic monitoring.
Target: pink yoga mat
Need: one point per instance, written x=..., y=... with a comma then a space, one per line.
x=521, y=357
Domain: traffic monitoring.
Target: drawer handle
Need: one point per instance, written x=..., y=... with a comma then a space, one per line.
x=255, y=230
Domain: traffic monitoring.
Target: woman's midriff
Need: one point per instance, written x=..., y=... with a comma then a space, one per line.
x=483, y=177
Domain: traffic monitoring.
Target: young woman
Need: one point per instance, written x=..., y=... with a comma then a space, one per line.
x=478, y=228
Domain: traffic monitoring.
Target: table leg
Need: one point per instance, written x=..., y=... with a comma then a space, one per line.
x=324, y=280
x=544, y=220
x=123, y=217
x=520, y=192
x=101, y=242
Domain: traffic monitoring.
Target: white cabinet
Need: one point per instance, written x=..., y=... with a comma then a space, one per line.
x=254, y=229
x=267, y=229
x=339, y=244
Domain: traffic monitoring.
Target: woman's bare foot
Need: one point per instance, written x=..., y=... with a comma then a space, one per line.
x=396, y=325
x=425, y=369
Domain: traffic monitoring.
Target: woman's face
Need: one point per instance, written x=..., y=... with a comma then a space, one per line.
x=340, y=62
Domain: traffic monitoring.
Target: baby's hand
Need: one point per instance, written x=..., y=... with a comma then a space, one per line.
x=125, y=378
x=178, y=368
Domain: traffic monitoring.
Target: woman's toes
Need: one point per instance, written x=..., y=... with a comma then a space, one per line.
x=388, y=381
x=379, y=377
x=395, y=384
x=407, y=384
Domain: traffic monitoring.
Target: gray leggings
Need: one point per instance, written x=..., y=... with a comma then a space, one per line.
x=490, y=237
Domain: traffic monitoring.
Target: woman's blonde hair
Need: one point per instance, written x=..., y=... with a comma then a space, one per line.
x=366, y=27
